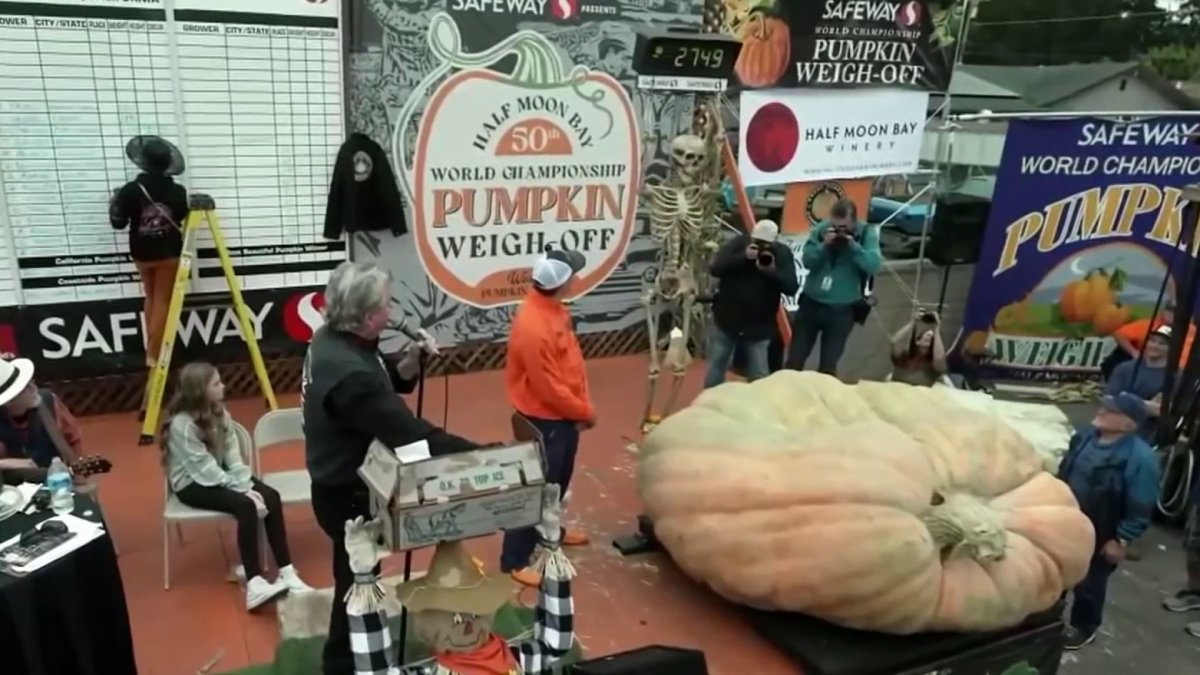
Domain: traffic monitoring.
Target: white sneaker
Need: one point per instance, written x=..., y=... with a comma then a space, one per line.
x=237, y=575
x=291, y=579
x=260, y=591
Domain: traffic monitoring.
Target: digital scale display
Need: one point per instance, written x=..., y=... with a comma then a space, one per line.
x=686, y=55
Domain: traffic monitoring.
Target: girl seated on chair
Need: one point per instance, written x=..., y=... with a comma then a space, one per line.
x=206, y=470
x=918, y=355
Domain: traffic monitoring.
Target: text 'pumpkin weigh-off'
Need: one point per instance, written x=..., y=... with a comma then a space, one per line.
x=877, y=506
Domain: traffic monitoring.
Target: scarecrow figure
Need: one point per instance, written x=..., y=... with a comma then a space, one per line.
x=454, y=604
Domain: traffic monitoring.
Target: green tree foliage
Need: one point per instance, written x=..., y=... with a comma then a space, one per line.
x=1175, y=61
x=1009, y=32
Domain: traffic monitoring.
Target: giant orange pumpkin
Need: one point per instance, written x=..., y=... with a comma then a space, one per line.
x=876, y=506
x=766, y=48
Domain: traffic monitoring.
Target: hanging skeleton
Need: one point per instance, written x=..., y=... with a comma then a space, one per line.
x=685, y=223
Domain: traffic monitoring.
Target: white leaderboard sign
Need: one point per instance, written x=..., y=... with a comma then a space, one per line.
x=257, y=112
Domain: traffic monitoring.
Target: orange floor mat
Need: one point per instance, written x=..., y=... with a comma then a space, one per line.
x=623, y=603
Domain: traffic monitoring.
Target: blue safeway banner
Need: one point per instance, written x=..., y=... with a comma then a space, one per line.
x=1083, y=224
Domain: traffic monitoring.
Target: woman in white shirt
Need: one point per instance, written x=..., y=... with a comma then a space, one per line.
x=206, y=471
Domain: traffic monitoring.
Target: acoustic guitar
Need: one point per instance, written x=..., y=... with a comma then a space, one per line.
x=90, y=465
x=81, y=469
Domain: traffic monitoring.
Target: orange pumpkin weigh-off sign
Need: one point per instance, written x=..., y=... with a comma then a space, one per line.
x=504, y=170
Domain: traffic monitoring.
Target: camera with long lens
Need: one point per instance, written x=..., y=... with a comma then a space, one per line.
x=766, y=258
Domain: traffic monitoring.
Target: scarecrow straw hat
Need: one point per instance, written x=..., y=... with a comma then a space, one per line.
x=455, y=584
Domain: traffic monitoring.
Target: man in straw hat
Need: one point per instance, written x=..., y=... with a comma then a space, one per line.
x=454, y=605
x=35, y=425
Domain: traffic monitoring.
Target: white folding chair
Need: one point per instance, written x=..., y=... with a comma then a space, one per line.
x=282, y=426
x=175, y=511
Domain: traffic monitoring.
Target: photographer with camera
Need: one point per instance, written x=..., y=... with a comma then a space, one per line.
x=754, y=271
x=918, y=354
x=840, y=255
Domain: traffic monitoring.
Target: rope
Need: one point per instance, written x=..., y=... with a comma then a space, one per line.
x=1076, y=392
x=1175, y=505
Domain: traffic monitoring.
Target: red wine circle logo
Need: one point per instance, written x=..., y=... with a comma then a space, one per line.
x=772, y=137
x=909, y=14
x=564, y=9
x=302, y=315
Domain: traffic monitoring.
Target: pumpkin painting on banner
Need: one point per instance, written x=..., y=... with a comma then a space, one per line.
x=1083, y=229
x=551, y=160
x=512, y=126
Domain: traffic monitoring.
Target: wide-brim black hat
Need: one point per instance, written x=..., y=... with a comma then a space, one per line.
x=135, y=150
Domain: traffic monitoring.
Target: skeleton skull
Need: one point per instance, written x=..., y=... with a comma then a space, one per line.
x=688, y=153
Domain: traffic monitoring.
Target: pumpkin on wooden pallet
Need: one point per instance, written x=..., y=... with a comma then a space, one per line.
x=878, y=506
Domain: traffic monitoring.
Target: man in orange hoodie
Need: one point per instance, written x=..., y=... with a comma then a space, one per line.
x=1131, y=338
x=546, y=382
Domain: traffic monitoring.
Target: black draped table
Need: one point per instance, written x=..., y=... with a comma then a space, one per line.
x=1032, y=648
x=68, y=618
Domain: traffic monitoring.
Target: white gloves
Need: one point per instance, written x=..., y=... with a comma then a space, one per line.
x=362, y=544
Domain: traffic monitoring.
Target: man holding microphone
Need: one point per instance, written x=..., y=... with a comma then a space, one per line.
x=546, y=381
x=350, y=397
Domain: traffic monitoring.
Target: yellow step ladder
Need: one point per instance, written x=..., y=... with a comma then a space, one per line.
x=202, y=214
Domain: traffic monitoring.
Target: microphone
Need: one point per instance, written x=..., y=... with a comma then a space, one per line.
x=420, y=336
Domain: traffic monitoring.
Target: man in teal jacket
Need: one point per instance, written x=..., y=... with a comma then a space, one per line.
x=840, y=255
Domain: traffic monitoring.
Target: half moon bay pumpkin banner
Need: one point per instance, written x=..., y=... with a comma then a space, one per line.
x=507, y=165
x=1083, y=228
x=845, y=43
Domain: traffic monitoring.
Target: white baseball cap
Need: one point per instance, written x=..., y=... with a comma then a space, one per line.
x=15, y=375
x=555, y=267
x=765, y=230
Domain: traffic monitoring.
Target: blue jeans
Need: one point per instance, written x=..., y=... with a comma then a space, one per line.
x=831, y=324
x=721, y=347
x=1087, y=612
x=560, y=439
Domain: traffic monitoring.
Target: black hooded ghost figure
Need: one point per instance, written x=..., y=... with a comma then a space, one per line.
x=363, y=195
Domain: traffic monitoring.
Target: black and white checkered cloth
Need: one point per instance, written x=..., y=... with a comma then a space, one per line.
x=553, y=636
x=371, y=644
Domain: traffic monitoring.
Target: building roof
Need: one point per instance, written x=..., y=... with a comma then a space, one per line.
x=966, y=83
x=1043, y=86
x=1046, y=85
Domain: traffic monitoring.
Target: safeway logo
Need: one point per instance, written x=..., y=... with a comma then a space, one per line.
x=303, y=314
x=564, y=9
x=8, y=339
x=909, y=14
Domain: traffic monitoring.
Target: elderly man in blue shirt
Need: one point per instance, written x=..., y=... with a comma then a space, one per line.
x=1114, y=475
x=1145, y=379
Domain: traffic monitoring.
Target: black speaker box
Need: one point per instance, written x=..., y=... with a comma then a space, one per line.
x=957, y=230
x=655, y=660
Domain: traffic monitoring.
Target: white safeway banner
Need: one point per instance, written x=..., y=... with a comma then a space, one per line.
x=802, y=135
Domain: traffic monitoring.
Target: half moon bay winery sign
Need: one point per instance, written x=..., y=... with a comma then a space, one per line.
x=508, y=165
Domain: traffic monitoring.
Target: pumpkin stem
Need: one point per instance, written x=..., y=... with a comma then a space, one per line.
x=961, y=521
x=760, y=27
